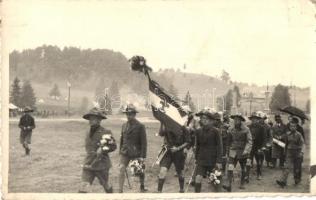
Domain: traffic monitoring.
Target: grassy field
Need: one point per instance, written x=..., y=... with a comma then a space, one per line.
x=58, y=151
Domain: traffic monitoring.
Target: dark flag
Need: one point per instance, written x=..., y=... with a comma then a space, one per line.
x=165, y=108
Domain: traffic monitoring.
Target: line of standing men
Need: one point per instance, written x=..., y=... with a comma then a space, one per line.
x=238, y=143
x=217, y=145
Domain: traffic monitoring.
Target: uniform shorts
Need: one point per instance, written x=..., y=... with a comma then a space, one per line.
x=89, y=176
x=235, y=160
x=177, y=158
x=124, y=160
x=203, y=170
x=25, y=137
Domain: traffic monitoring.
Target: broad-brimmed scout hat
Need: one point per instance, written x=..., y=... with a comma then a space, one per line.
x=217, y=116
x=238, y=116
x=254, y=115
x=262, y=115
x=277, y=116
x=206, y=112
x=28, y=109
x=130, y=108
x=94, y=112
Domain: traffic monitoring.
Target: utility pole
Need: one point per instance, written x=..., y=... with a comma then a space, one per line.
x=250, y=102
x=69, y=86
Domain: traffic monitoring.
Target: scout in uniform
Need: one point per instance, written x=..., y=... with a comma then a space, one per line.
x=239, y=147
x=294, y=151
x=175, y=143
x=97, y=162
x=224, y=132
x=268, y=144
x=133, y=145
x=209, y=147
x=258, y=139
x=300, y=129
x=26, y=125
x=278, y=132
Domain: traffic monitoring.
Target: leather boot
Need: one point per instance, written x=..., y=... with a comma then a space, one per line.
x=181, y=184
x=228, y=187
x=143, y=189
x=27, y=151
x=246, y=174
x=259, y=172
x=161, y=181
x=108, y=190
x=242, y=180
x=197, y=187
x=142, y=183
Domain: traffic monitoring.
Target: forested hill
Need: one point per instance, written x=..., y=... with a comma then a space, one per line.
x=89, y=69
x=49, y=64
x=86, y=68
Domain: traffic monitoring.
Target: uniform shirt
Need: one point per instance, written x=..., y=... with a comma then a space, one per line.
x=92, y=141
x=25, y=121
x=224, y=133
x=294, y=141
x=269, y=138
x=240, y=141
x=258, y=133
x=133, y=141
x=175, y=139
x=209, y=146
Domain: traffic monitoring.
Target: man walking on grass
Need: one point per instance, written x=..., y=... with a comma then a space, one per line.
x=133, y=145
x=99, y=142
x=239, y=147
x=26, y=124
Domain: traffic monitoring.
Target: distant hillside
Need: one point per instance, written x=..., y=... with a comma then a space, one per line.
x=49, y=64
x=86, y=68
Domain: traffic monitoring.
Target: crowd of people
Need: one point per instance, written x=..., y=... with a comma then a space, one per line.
x=219, y=142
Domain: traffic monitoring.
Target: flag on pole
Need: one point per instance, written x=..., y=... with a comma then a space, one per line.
x=68, y=84
x=165, y=108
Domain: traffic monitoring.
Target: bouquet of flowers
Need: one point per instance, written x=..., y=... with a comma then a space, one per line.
x=105, y=142
x=137, y=167
x=214, y=177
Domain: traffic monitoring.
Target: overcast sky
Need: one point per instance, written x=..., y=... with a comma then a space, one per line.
x=255, y=41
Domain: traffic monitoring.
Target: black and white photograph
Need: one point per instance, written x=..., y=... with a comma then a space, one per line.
x=145, y=99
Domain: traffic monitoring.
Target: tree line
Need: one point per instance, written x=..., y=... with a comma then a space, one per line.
x=83, y=68
x=22, y=96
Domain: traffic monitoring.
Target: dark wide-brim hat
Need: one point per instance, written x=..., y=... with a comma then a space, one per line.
x=130, y=109
x=254, y=116
x=95, y=112
x=277, y=116
x=205, y=113
x=28, y=109
x=217, y=116
x=238, y=116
